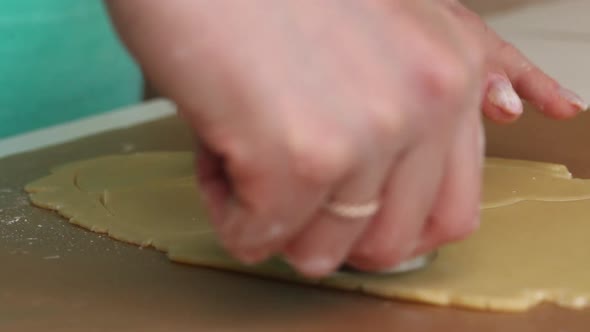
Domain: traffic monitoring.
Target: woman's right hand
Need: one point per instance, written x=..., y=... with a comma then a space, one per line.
x=300, y=104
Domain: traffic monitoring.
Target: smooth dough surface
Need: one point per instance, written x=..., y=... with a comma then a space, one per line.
x=532, y=246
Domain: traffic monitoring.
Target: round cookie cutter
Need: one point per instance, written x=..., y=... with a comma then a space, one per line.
x=410, y=265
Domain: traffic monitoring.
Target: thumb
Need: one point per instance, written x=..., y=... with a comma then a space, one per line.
x=501, y=103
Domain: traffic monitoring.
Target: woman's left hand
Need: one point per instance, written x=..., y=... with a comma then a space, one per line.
x=512, y=77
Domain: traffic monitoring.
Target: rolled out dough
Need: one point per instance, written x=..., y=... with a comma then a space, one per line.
x=533, y=245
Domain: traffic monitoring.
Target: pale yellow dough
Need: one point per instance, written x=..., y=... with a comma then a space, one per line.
x=533, y=245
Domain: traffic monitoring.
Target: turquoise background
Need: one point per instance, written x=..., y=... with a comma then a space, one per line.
x=60, y=60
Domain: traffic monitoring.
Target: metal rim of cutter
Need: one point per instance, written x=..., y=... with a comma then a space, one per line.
x=410, y=265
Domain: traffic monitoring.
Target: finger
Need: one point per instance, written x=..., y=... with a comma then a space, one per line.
x=323, y=245
x=455, y=214
x=410, y=191
x=530, y=82
x=501, y=103
x=541, y=90
x=275, y=198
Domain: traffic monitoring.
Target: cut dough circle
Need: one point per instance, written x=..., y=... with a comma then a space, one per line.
x=532, y=246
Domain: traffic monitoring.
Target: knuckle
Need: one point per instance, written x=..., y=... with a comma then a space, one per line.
x=235, y=152
x=447, y=80
x=321, y=159
x=385, y=123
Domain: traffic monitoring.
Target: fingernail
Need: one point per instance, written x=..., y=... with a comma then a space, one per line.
x=574, y=99
x=252, y=256
x=315, y=266
x=503, y=96
x=259, y=235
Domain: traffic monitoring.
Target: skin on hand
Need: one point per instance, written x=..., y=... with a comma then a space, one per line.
x=299, y=103
x=512, y=76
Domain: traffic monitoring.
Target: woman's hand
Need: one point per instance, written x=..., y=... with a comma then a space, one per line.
x=512, y=76
x=303, y=104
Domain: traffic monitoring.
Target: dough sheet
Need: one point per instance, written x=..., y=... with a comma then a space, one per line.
x=533, y=245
